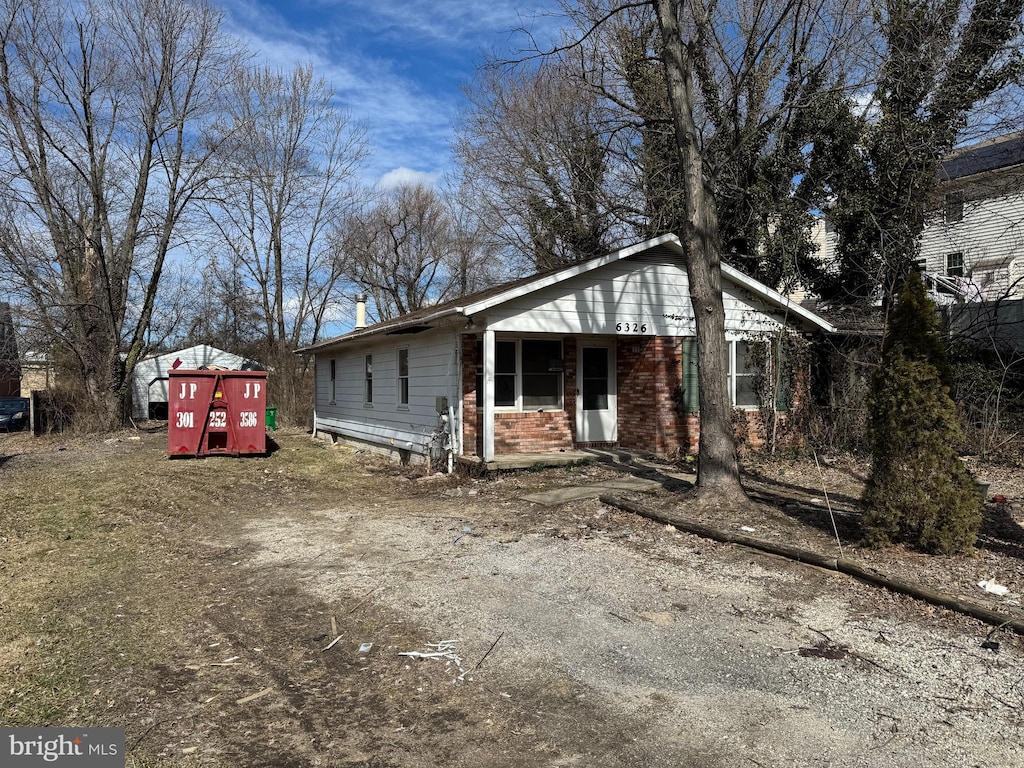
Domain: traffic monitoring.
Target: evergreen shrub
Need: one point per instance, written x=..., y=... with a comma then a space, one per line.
x=919, y=492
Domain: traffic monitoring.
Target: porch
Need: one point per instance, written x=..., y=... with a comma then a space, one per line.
x=513, y=461
x=628, y=460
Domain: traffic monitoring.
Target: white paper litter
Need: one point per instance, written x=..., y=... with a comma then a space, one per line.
x=747, y=529
x=443, y=650
x=994, y=587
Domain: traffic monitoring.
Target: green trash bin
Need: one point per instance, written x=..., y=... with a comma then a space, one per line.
x=272, y=417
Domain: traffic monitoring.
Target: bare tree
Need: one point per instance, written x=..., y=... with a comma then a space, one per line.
x=535, y=148
x=289, y=157
x=724, y=103
x=408, y=251
x=102, y=149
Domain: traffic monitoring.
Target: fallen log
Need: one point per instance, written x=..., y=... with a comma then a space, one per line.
x=847, y=566
x=729, y=537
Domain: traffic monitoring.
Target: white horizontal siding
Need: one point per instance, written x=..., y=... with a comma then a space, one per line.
x=433, y=372
x=991, y=229
x=651, y=291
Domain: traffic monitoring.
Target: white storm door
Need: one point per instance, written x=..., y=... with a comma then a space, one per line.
x=596, y=417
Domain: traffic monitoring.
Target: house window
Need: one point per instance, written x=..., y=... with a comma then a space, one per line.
x=742, y=361
x=527, y=374
x=954, y=207
x=505, y=374
x=542, y=373
x=955, y=264
x=334, y=380
x=403, y=377
x=368, y=381
x=742, y=369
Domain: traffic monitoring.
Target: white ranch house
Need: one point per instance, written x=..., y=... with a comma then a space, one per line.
x=596, y=354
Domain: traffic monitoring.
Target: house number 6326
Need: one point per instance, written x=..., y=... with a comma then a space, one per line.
x=631, y=327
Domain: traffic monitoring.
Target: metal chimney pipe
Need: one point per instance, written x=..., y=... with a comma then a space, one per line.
x=360, y=311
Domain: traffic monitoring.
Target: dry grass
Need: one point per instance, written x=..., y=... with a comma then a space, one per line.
x=121, y=592
x=98, y=542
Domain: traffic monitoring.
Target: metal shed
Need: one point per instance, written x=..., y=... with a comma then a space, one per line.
x=149, y=382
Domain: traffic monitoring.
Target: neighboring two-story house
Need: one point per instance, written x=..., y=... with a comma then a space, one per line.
x=974, y=237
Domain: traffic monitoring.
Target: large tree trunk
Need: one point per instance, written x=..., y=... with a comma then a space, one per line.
x=718, y=473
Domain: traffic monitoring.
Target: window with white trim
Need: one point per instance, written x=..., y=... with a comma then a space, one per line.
x=528, y=374
x=505, y=374
x=742, y=369
x=334, y=380
x=403, y=377
x=368, y=381
x=955, y=264
x=954, y=207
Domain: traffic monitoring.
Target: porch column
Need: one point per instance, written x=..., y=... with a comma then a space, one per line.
x=488, y=397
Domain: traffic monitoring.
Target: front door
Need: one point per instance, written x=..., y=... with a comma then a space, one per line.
x=595, y=404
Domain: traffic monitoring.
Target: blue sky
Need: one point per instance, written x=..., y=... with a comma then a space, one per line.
x=396, y=65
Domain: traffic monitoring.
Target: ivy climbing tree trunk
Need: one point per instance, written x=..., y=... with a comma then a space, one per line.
x=718, y=473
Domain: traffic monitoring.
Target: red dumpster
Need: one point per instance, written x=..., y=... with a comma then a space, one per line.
x=216, y=413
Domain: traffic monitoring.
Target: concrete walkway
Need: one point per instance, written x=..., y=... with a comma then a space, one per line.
x=558, y=496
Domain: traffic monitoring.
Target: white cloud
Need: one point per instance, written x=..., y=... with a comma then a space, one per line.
x=406, y=125
x=407, y=177
x=467, y=23
x=865, y=105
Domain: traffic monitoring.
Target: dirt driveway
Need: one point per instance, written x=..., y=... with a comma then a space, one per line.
x=192, y=603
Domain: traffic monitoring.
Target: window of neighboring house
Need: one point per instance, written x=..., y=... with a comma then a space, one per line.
x=334, y=380
x=955, y=264
x=527, y=374
x=368, y=381
x=403, y=378
x=954, y=207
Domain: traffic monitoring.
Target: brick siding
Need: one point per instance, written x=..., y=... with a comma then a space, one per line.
x=648, y=381
x=649, y=411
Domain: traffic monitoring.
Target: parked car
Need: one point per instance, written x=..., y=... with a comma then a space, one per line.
x=13, y=413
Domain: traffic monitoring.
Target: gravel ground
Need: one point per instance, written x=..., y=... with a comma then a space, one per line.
x=195, y=604
x=697, y=653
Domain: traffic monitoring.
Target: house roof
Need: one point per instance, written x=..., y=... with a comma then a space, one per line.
x=475, y=303
x=1002, y=152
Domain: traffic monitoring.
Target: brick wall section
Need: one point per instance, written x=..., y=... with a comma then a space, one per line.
x=750, y=432
x=532, y=432
x=648, y=378
x=471, y=428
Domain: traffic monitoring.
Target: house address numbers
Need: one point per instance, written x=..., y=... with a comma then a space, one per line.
x=629, y=327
